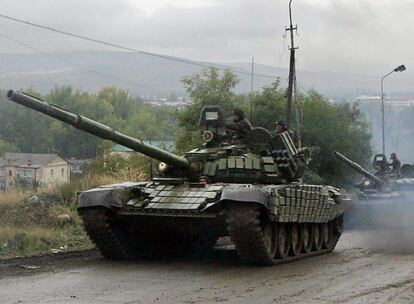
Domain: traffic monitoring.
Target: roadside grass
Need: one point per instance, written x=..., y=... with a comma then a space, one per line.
x=32, y=226
x=14, y=196
x=38, y=240
x=30, y=223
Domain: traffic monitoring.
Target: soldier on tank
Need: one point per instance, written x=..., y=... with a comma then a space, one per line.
x=395, y=164
x=240, y=126
x=281, y=127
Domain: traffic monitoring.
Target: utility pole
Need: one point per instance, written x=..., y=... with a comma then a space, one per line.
x=291, y=67
x=251, y=92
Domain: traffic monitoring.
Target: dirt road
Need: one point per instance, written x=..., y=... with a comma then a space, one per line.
x=353, y=274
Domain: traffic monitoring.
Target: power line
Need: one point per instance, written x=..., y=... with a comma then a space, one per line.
x=76, y=65
x=114, y=45
x=304, y=90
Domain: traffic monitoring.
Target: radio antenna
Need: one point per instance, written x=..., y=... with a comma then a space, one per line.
x=292, y=71
x=292, y=89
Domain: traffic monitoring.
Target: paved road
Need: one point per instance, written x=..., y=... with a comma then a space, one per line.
x=353, y=274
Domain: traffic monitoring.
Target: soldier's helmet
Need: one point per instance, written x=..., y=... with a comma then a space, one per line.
x=239, y=113
x=393, y=155
x=282, y=125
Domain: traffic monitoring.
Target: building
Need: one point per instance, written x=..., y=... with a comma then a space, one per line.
x=79, y=166
x=33, y=170
x=367, y=98
x=400, y=103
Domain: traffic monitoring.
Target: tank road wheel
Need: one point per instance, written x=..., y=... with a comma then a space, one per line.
x=307, y=238
x=283, y=241
x=296, y=239
x=339, y=225
x=253, y=236
x=317, y=237
x=327, y=233
x=336, y=228
x=270, y=238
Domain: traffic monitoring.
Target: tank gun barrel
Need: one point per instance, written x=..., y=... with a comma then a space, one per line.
x=95, y=128
x=359, y=168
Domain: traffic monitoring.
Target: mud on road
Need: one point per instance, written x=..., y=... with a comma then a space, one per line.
x=354, y=273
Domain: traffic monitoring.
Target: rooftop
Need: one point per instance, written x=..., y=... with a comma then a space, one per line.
x=27, y=159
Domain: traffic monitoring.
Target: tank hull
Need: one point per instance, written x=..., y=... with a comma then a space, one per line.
x=147, y=219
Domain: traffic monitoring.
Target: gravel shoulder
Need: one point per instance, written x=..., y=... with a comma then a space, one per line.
x=354, y=273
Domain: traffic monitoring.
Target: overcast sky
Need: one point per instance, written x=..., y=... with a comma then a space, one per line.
x=360, y=36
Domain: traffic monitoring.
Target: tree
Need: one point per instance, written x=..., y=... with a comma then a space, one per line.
x=152, y=123
x=269, y=106
x=327, y=127
x=209, y=87
x=6, y=147
x=335, y=127
x=23, y=128
x=32, y=132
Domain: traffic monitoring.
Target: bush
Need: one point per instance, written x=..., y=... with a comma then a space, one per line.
x=30, y=223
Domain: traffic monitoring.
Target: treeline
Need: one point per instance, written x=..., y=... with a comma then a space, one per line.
x=327, y=127
x=27, y=131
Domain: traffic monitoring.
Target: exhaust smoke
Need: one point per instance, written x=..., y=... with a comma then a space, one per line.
x=384, y=226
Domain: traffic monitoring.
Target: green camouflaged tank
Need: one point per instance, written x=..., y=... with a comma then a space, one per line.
x=249, y=189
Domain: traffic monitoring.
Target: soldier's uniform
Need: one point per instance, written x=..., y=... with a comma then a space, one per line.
x=282, y=127
x=395, y=164
x=240, y=126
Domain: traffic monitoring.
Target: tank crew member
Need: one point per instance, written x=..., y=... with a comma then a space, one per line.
x=240, y=126
x=280, y=127
x=395, y=164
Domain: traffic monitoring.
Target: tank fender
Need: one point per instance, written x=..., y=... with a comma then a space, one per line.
x=246, y=195
x=110, y=196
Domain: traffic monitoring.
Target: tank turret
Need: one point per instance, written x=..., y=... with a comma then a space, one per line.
x=358, y=168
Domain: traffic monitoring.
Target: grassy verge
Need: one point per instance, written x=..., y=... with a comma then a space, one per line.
x=31, y=227
x=39, y=240
x=31, y=222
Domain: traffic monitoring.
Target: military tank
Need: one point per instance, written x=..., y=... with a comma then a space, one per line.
x=383, y=184
x=249, y=189
x=383, y=199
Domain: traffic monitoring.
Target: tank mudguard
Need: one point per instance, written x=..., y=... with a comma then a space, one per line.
x=245, y=194
x=110, y=196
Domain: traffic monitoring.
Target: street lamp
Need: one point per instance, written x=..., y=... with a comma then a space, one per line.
x=401, y=68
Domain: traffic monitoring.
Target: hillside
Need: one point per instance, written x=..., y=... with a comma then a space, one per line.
x=146, y=75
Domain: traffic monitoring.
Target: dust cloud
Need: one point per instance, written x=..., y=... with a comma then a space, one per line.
x=384, y=226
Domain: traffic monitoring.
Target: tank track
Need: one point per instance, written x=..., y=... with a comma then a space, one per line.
x=112, y=243
x=245, y=229
x=117, y=242
x=244, y=226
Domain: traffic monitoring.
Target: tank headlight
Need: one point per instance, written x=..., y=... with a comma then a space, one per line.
x=208, y=136
x=163, y=167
